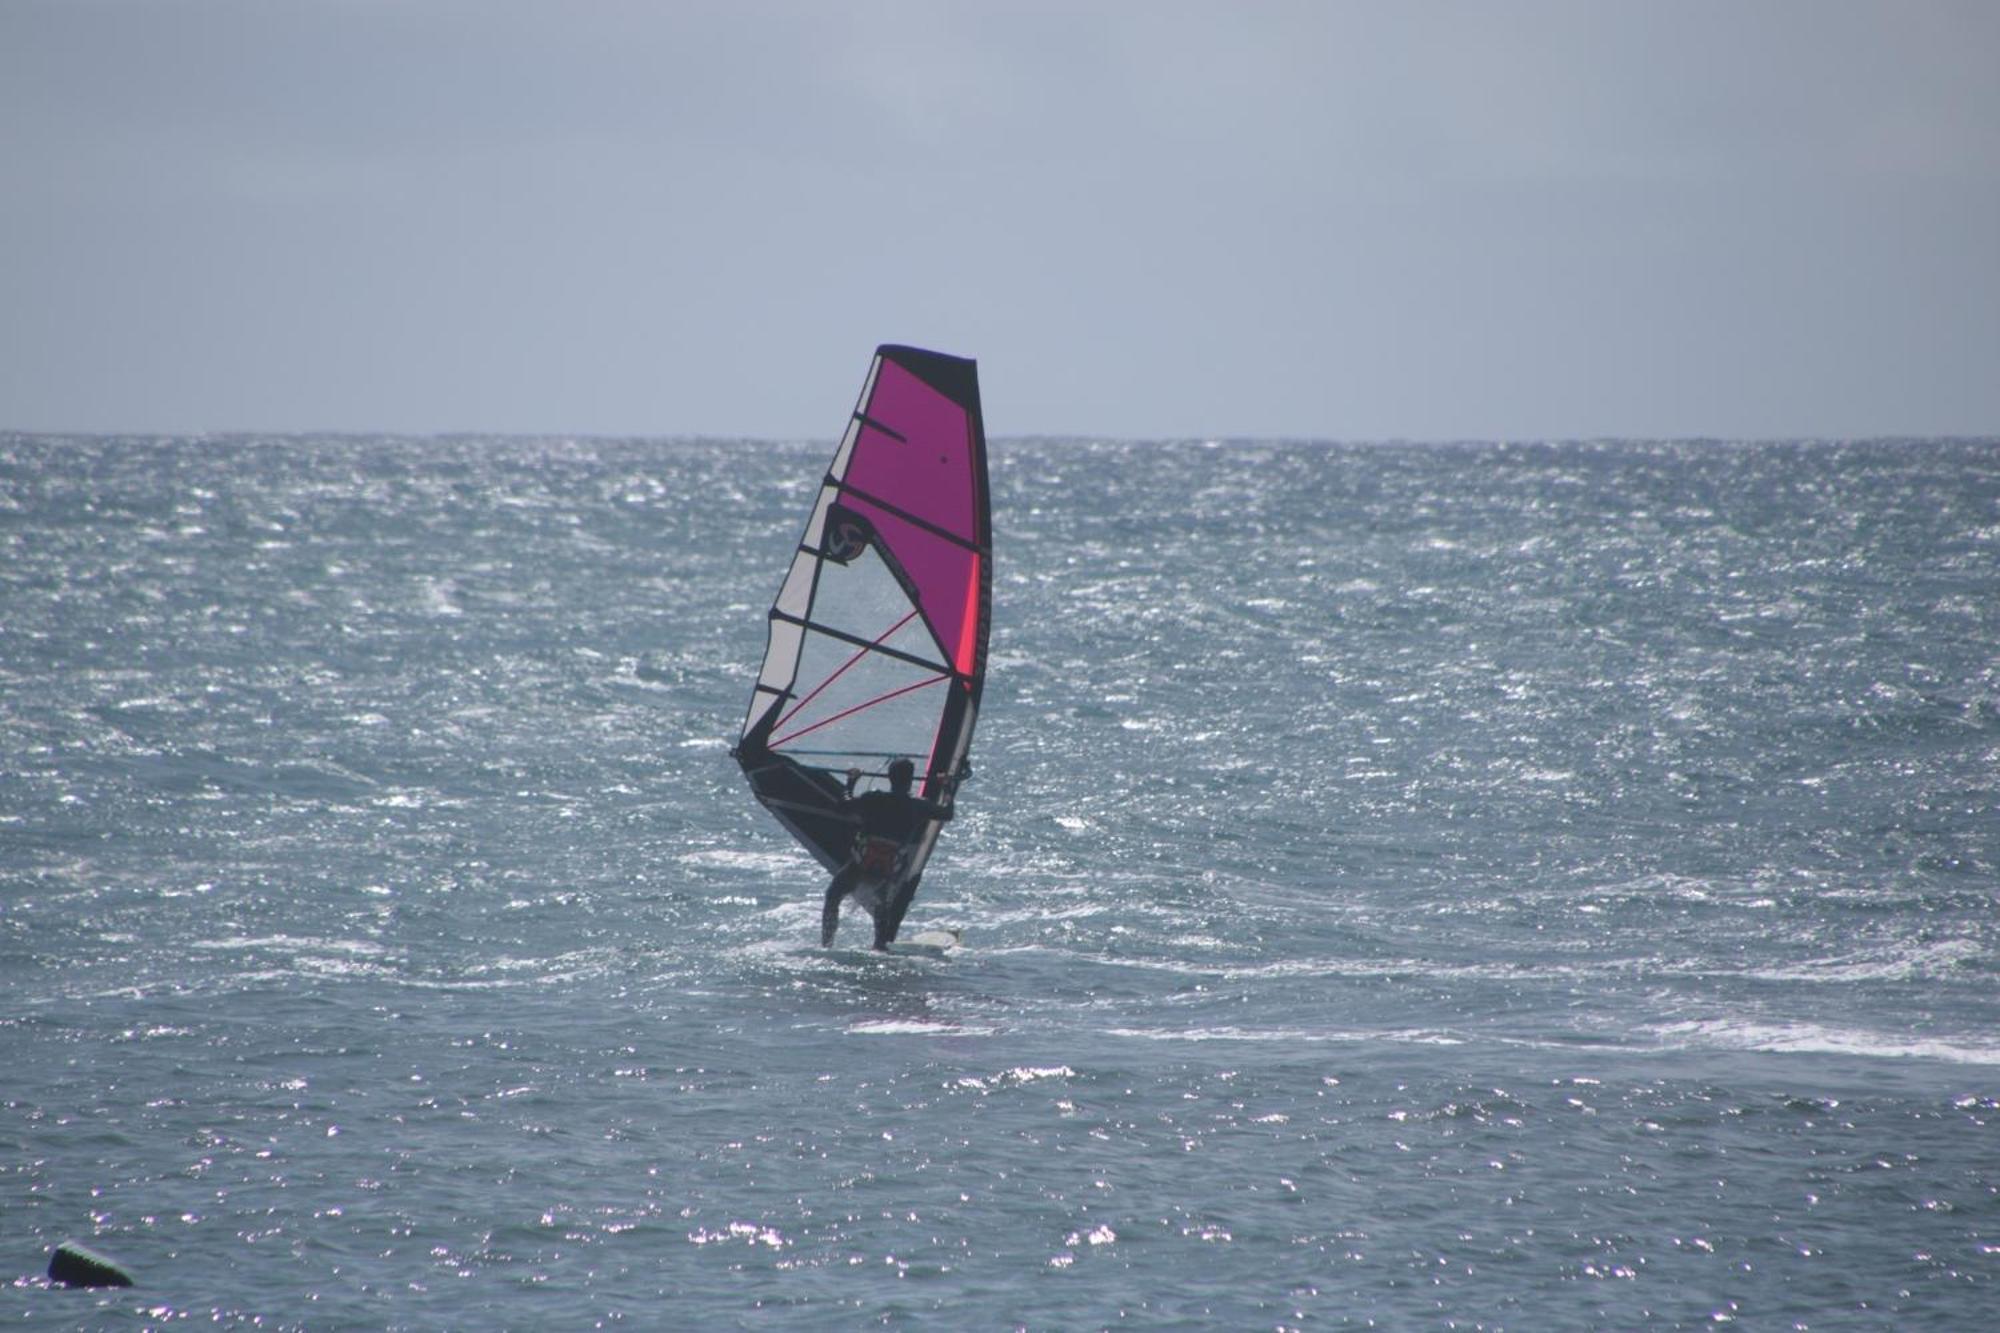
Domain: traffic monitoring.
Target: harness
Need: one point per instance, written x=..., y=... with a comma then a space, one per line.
x=877, y=856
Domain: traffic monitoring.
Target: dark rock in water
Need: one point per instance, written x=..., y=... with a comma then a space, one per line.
x=72, y=1265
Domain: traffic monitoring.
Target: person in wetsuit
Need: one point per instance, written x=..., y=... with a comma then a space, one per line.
x=890, y=824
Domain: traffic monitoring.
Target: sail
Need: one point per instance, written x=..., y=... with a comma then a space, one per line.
x=877, y=647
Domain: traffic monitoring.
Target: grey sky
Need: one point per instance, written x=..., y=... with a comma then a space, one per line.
x=1353, y=221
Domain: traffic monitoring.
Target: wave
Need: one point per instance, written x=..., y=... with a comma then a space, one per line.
x=915, y=1027
x=1410, y=1036
x=1813, y=1038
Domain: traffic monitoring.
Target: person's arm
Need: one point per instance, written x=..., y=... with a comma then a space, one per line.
x=941, y=810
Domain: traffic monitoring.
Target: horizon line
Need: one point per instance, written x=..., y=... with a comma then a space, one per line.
x=1026, y=437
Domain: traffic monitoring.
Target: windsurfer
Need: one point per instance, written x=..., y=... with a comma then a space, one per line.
x=890, y=824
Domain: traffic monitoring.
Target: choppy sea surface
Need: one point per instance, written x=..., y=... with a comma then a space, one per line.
x=1485, y=886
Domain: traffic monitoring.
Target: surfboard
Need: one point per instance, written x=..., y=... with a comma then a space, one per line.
x=876, y=640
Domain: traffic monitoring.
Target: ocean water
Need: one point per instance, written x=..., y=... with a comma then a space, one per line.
x=1525, y=886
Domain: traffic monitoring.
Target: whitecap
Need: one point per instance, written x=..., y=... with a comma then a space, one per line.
x=724, y=858
x=1420, y=1037
x=914, y=1027
x=1814, y=1038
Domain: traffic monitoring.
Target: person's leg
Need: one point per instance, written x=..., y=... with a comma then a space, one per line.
x=889, y=905
x=829, y=914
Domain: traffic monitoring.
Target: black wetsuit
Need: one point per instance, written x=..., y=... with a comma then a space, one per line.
x=889, y=824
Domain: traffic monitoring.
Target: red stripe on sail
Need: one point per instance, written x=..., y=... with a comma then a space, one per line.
x=859, y=653
x=848, y=712
x=968, y=631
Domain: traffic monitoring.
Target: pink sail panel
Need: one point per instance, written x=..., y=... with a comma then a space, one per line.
x=917, y=453
x=928, y=471
x=946, y=575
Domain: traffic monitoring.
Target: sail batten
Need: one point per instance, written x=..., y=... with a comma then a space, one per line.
x=888, y=596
